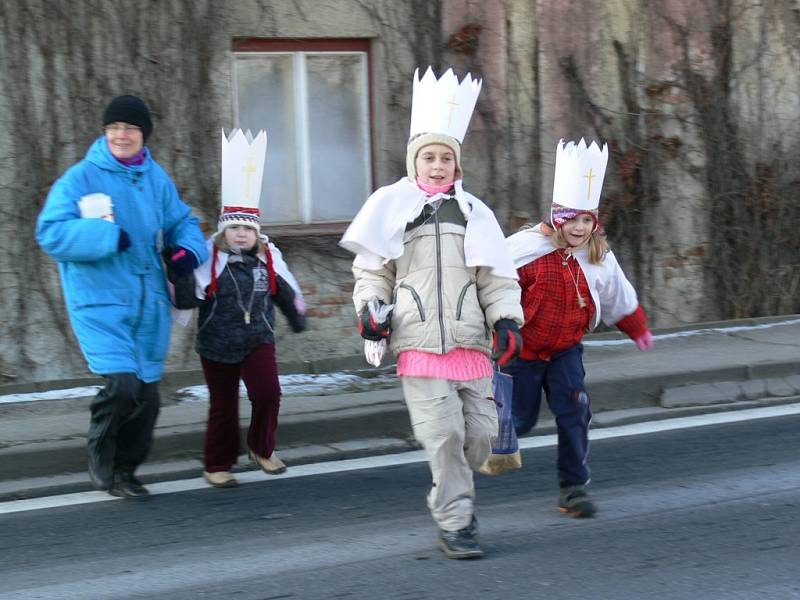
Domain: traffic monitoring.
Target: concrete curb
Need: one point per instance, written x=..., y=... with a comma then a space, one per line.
x=649, y=390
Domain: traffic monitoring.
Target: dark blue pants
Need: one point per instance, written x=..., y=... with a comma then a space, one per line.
x=562, y=381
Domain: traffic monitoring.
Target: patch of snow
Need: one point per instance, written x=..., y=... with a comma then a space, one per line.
x=324, y=384
x=80, y=392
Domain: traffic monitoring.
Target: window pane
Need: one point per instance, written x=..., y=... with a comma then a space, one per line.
x=339, y=135
x=266, y=101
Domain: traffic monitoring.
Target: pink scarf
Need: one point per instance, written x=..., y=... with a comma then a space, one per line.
x=431, y=189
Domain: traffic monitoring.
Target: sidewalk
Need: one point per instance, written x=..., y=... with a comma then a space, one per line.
x=703, y=368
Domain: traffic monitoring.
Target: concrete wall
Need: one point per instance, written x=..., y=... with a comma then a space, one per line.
x=612, y=69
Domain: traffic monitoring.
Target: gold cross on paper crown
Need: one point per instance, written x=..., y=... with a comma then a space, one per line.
x=248, y=169
x=452, y=104
x=589, y=176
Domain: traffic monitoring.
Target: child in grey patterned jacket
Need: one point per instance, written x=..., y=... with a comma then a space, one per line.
x=236, y=291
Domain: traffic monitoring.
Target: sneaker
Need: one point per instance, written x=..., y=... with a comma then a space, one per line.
x=127, y=486
x=220, y=479
x=271, y=466
x=462, y=543
x=574, y=501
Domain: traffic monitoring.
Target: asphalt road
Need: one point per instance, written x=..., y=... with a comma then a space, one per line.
x=710, y=512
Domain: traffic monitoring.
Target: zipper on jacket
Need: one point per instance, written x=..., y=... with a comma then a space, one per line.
x=417, y=299
x=210, y=315
x=271, y=330
x=439, y=278
x=264, y=315
x=461, y=300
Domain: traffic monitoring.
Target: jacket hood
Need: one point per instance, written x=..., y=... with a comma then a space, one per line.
x=99, y=154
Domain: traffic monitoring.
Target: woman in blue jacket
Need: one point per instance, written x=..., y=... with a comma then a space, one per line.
x=106, y=222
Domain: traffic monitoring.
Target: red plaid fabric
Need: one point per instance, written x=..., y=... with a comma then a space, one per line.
x=554, y=321
x=635, y=324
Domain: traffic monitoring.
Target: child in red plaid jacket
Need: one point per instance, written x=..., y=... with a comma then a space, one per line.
x=570, y=280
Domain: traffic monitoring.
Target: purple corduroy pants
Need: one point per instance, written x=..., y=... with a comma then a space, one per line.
x=259, y=371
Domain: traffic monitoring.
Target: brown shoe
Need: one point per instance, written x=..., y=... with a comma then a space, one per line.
x=271, y=466
x=220, y=479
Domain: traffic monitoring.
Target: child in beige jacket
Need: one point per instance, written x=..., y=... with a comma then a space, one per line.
x=437, y=254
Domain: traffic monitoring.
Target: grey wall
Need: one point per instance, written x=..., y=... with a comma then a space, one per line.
x=698, y=100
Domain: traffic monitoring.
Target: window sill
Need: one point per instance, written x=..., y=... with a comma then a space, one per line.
x=305, y=229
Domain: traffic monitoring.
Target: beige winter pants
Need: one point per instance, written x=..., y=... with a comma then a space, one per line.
x=455, y=422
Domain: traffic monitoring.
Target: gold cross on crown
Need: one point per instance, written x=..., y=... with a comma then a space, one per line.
x=248, y=169
x=452, y=104
x=589, y=176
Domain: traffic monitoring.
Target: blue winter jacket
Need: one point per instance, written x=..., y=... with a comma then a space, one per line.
x=117, y=301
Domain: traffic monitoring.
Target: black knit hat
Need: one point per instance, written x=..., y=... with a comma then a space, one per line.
x=129, y=109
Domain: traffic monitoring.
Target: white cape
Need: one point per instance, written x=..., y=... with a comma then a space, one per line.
x=613, y=295
x=376, y=234
x=202, y=277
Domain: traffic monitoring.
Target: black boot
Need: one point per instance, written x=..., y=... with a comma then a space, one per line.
x=128, y=486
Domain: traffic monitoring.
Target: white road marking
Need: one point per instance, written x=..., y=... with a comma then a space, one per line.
x=404, y=458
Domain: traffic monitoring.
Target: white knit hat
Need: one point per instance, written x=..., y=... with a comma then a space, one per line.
x=426, y=139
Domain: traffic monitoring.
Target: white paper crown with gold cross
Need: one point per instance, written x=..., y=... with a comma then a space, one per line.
x=578, y=180
x=443, y=105
x=441, y=110
x=242, y=172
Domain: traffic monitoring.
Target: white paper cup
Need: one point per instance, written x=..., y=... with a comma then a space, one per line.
x=96, y=206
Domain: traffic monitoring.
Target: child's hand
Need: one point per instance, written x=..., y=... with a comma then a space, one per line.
x=374, y=322
x=644, y=341
x=506, y=341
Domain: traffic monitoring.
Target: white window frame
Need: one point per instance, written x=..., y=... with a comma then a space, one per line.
x=303, y=145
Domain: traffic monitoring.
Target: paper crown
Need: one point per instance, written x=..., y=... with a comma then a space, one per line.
x=443, y=105
x=242, y=172
x=579, y=175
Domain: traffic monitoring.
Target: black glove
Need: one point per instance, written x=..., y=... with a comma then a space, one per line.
x=124, y=241
x=181, y=260
x=372, y=330
x=506, y=341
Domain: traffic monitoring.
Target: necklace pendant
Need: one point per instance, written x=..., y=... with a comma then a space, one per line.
x=581, y=301
x=247, y=318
